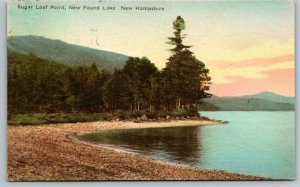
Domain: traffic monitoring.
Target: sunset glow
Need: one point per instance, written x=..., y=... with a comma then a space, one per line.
x=247, y=45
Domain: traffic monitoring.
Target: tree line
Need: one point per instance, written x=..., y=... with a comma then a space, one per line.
x=38, y=85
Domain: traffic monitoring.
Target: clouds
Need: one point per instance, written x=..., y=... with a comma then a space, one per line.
x=249, y=76
x=280, y=81
x=250, y=68
x=260, y=61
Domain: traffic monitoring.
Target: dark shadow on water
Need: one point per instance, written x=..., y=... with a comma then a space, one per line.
x=180, y=144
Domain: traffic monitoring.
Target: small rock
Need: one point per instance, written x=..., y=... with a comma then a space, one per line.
x=144, y=117
x=167, y=117
x=138, y=120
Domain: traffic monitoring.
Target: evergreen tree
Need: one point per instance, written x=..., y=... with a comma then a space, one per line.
x=93, y=89
x=176, y=40
x=138, y=72
x=116, y=93
x=186, y=79
x=83, y=88
x=157, y=96
x=37, y=85
x=34, y=84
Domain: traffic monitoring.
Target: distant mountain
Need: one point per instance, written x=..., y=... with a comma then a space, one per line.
x=206, y=106
x=62, y=52
x=269, y=96
x=265, y=101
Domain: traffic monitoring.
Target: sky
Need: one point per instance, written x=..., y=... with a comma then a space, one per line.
x=248, y=45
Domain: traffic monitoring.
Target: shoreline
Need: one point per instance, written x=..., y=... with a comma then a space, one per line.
x=53, y=152
x=151, y=124
x=166, y=124
x=119, y=125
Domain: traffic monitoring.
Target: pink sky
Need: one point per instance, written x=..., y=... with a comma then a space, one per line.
x=250, y=76
x=260, y=61
x=280, y=81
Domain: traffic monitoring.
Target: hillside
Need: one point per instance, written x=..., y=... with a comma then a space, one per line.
x=265, y=101
x=269, y=96
x=62, y=52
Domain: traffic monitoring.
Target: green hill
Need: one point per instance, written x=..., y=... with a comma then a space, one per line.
x=206, y=106
x=269, y=96
x=62, y=52
x=265, y=101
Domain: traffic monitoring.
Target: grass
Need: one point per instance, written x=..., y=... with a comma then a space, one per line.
x=37, y=119
x=40, y=118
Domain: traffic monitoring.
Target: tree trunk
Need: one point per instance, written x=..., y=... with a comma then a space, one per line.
x=179, y=104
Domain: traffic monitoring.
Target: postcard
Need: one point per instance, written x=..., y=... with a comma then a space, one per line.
x=150, y=90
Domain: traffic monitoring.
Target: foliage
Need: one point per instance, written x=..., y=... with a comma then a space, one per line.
x=186, y=79
x=38, y=118
x=37, y=85
x=34, y=84
x=83, y=88
x=154, y=114
x=52, y=118
x=130, y=88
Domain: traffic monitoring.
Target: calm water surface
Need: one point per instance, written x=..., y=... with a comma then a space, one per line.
x=257, y=143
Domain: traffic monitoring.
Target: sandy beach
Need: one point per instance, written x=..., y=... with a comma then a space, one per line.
x=52, y=152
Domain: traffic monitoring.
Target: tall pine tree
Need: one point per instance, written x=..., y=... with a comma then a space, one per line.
x=186, y=79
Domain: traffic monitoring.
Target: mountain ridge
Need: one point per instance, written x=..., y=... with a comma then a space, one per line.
x=65, y=53
x=263, y=95
x=263, y=101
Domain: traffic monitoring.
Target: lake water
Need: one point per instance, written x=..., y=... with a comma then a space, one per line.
x=256, y=143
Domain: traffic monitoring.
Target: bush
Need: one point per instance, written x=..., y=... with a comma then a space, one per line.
x=153, y=114
x=37, y=119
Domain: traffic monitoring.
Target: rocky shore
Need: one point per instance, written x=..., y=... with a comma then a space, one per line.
x=169, y=118
x=53, y=153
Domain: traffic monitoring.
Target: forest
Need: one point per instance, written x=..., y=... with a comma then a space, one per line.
x=37, y=85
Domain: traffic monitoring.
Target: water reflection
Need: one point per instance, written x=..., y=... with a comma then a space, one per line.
x=180, y=144
x=256, y=143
